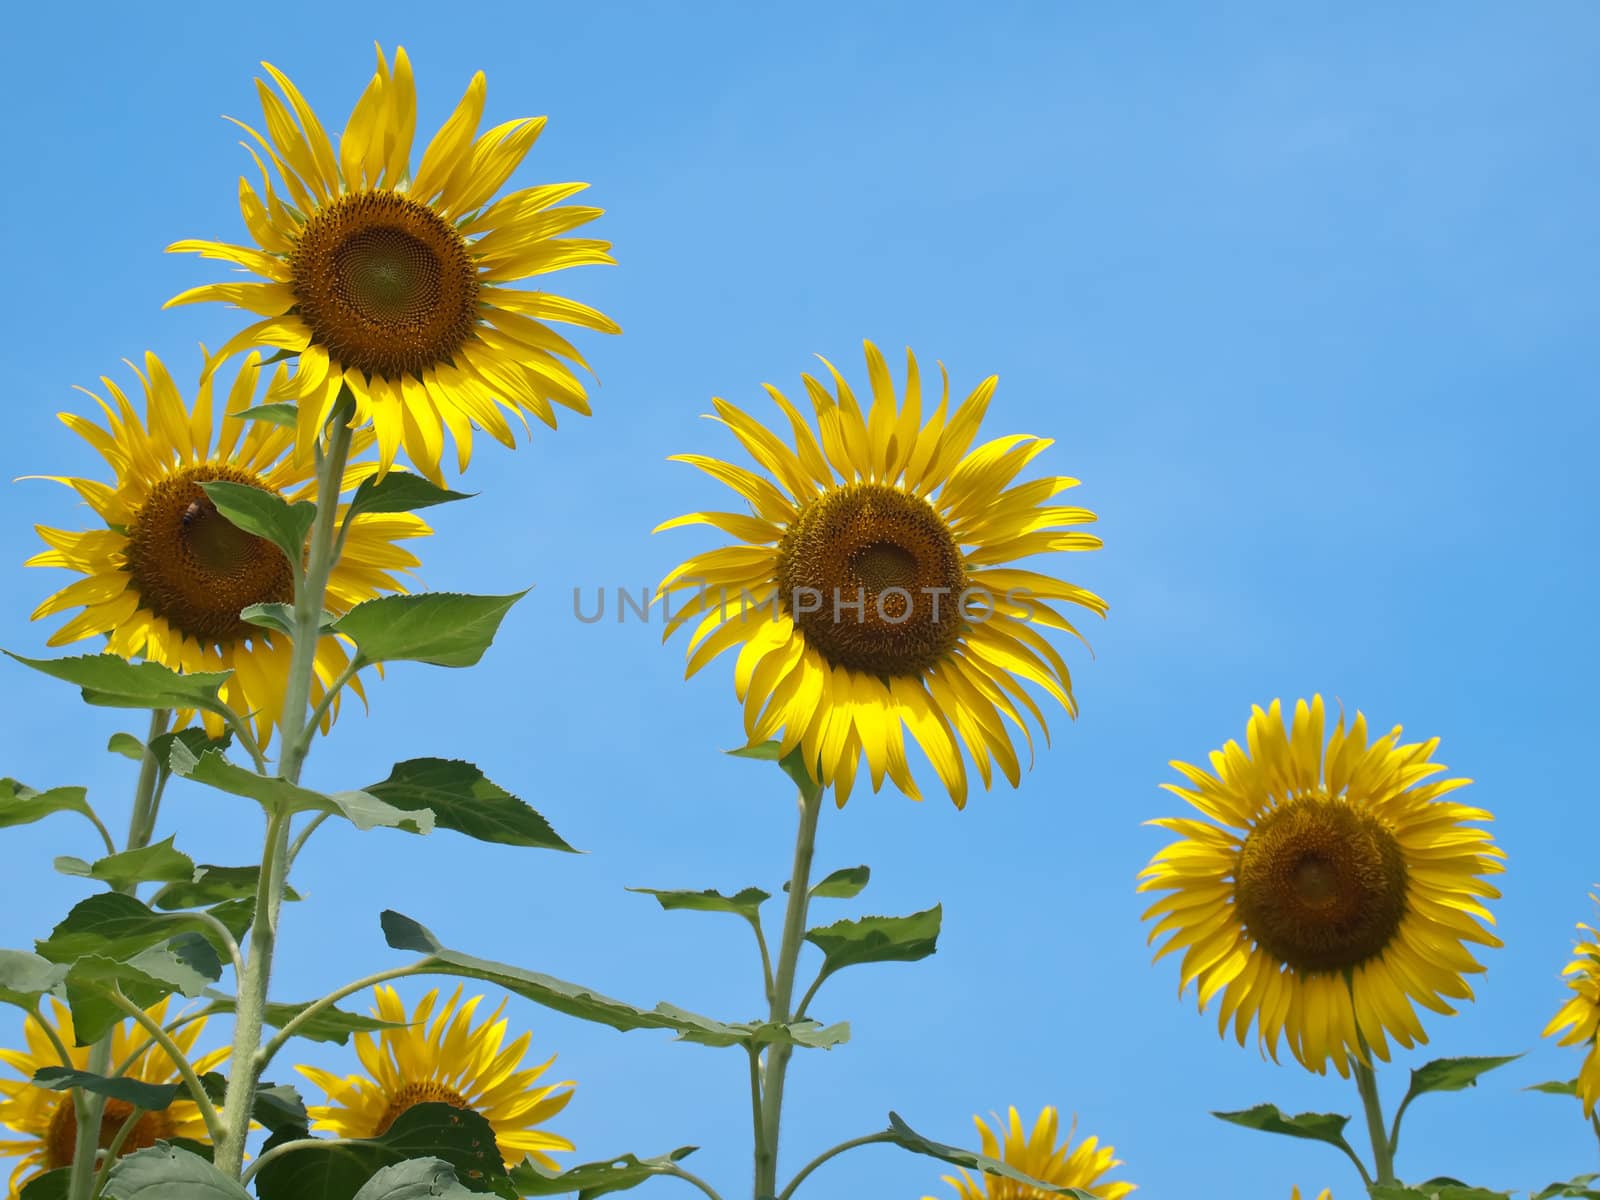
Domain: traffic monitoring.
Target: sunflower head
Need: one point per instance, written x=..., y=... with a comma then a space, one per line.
x=165, y=576
x=394, y=285
x=435, y=1056
x=1329, y=887
x=1578, y=1020
x=1036, y=1152
x=871, y=590
x=45, y=1122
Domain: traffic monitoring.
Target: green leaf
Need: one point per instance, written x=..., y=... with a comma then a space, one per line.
x=1553, y=1087
x=273, y=791
x=400, y=491
x=793, y=765
x=877, y=939
x=458, y=1136
x=126, y=745
x=907, y=1138
x=277, y=1106
x=1452, y=1074
x=1269, y=1118
x=265, y=514
x=152, y=1097
x=21, y=805
x=186, y=963
x=163, y=1172
x=843, y=884
x=615, y=1174
x=25, y=977
x=811, y=1034
x=415, y=1179
x=746, y=903
x=463, y=799
x=285, y=415
x=279, y=618
x=402, y=933
x=443, y=628
x=112, y=682
x=114, y=926
x=157, y=863
x=1435, y=1189
x=52, y=1185
x=195, y=740
x=328, y=1025
x=209, y=885
x=1576, y=1188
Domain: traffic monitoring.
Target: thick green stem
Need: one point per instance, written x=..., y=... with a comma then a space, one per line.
x=295, y=732
x=87, y=1106
x=794, y=928
x=1382, y=1149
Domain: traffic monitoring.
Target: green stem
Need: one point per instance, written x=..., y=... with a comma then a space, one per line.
x=794, y=928
x=88, y=1107
x=332, y=693
x=197, y=1091
x=304, y=836
x=1382, y=1150
x=123, y=1130
x=756, y=1120
x=690, y=1177
x=284, y=1148
x=244, y=1065
x=867, y=1140
x=293, y=1025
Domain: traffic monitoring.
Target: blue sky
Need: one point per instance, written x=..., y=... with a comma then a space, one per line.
x=1307, y=300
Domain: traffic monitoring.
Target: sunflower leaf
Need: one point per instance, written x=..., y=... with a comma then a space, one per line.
x=186, y=963
x=793, y=765
x=1435, y=1189
x=446, y=629
x=877, y=939
x=152, y=1097
x=157, y=863
x=52, y=1185
x=279, y=618
x=1577, y=1188
x=21, y=805
x=338, y=1171
x=25, y=977
x=126, y=745
x=465, y=800
x=284, y=414
x=278, y=1106
x=327, y=1025
x=209, y=885
x=844, y=884
x=745, y=903
x=1269, y=1118
x=400, y=491
x=402, y=933
x=265, y=514
x=115, y=927
x=812, y=1034
x=112, y=682
x=902, y=1135
x=1555, y=1087
x=415, y=1179
x=615, y=1174
x=164, y=1172
x=1452, y=1074
x=272, y=791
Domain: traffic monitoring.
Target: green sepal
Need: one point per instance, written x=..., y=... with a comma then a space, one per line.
x=877, y=939
x=844, y=884
x=615, y=1174
x=111, y=682
x=152, y=1097
x=902, y=1135
x=399, y=491
x=462, y=798
x=402, y=933
x=447, y=629
x=209, y=884
x=165, y=1172
x=793, y=765
x=156, y=863
x=285, y=415
x=458, y=1136
x=24, y=977
x=415, y=1179
x=21, y=805
x=265, y=514
x=1269, y=1118
x=745, y=903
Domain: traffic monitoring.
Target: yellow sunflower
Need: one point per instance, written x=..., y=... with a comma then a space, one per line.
x=47, y=1121
x=166, y=575
x=1580, y=1015
x=395, y=285
x=1036, y=1153
x=1324, y=1194
x=1328, y=889
x=870, y=591
x=444, y=1060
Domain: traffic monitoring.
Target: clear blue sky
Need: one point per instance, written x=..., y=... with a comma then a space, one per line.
x=1308, y=300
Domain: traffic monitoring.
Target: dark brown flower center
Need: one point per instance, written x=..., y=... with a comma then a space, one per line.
x=61, y=1135
x=1321, y=884
x=194, y=568
x=413, y=1094
x=386, y=284
x=874, y=579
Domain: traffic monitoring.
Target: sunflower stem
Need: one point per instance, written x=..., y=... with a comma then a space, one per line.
x=197, y=1091
x=123, y=1130
x=244, y=1065
x=1382, y=1148
x=800, y=1177
x=794, y=928
x=292, y=1026
x=88, y=1107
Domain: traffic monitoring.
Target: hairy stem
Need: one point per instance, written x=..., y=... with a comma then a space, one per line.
x=294, y=1024
x=794, y=928
x=197, y=1091
x=1382, y=1149
x=800, y=1176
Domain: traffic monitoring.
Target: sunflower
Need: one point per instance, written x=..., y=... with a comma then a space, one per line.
x=869, y=591
x=444, y=1060
x=48, y=1121
x=1324, y=1194
x=1328, y=890
x=395, y=285
x=1037, y=1154
x=1580, y=1015
x=166, y=575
